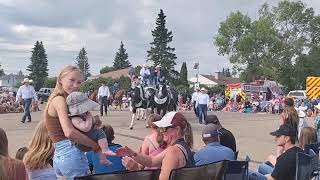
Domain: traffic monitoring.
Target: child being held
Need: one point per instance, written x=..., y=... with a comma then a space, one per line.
x=79, y=106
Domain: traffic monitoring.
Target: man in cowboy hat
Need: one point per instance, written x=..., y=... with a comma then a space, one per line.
x=26, y=94
x=202, y=104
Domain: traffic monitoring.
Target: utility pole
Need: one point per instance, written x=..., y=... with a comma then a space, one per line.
x=84, y=70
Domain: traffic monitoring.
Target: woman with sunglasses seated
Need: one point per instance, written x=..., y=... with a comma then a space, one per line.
x=177, y=133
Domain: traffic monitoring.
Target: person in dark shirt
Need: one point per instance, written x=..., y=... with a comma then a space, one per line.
x=285, y=167
x=226, y=137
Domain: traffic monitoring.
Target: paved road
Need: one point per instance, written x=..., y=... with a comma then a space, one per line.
x=251, y=131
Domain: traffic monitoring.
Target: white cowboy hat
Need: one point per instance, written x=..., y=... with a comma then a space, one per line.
x=26, y=80
x=203, y=89
x=158, y=66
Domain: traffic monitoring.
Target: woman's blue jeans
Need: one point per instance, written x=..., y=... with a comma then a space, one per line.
x=68, y=160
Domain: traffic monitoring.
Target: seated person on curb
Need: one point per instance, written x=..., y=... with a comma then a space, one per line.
x=93, y=157
x=285, y=167
x=79, y=106
x=213, y=151
x=226, y=137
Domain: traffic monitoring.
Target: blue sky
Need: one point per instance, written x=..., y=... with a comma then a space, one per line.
x=99, y=26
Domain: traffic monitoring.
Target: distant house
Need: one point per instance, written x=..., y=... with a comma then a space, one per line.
x=213, y=80
x=112, y=74
x=11, y=80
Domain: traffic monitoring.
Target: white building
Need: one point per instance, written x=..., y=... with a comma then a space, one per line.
x=11, y=80
x=213, y=80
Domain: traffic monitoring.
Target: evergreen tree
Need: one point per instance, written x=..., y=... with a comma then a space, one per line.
x=161, y=53
x=106, y=69
x=121, y=58
x=184, y=74
x=1, y=71
x=82, y=63
x=39, y=65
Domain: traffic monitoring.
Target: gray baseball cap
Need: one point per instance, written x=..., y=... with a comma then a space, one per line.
x=210, y=130
x=79, y=103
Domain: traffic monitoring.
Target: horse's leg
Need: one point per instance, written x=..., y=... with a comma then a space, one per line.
x=147, y=113
x=138, y=113
x=134, y=111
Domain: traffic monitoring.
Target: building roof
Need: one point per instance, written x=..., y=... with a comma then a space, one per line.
x=112, y=74
x=222, y=80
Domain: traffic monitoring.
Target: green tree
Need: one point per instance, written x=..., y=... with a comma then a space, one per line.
x=137, y=70
x=121, y=58
x=38, y=66
x=82, y=63
x=161, y=53
x=184, y=74
x=226, y=72
x=1, y=71
x=270, y=46
x=50, y=82
x=106, y=69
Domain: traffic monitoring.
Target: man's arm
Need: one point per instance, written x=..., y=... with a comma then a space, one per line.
x=19, y=94
x=34, y=94
x=108, y=92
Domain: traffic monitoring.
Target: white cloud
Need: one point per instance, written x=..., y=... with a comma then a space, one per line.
x=99, y=26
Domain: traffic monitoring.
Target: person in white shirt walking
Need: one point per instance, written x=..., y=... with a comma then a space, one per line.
x=194, y=100
x=26, y=94
x=103, y=95
x=202, y=104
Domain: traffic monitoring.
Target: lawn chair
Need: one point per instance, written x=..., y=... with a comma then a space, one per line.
x=124, y=175
x=237, y=170
x=205, y=172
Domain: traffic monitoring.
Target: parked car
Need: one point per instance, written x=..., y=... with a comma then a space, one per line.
x=43, y=94
x=298, y=94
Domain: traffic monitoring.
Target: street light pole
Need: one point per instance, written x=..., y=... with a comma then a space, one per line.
x=84, y=70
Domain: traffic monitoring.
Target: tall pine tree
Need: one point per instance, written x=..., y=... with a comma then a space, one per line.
x=121, y=58
x=184, y=74
x=82, y=63
x=161, y=53
x=39, y=65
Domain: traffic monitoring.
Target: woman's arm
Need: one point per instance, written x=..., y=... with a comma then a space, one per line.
x=145, y=147
x=170, y=162
x=140, y=158
x=60, y=106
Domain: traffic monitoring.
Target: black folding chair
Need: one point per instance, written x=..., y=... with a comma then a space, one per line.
x=211, y=171
x=124, y=175
x=237, y=170
x=303, y=166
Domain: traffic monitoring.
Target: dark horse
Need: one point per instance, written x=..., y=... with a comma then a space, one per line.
x=173, y=99
x=159, y=99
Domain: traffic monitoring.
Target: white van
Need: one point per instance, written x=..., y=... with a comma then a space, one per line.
x=298, y=94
